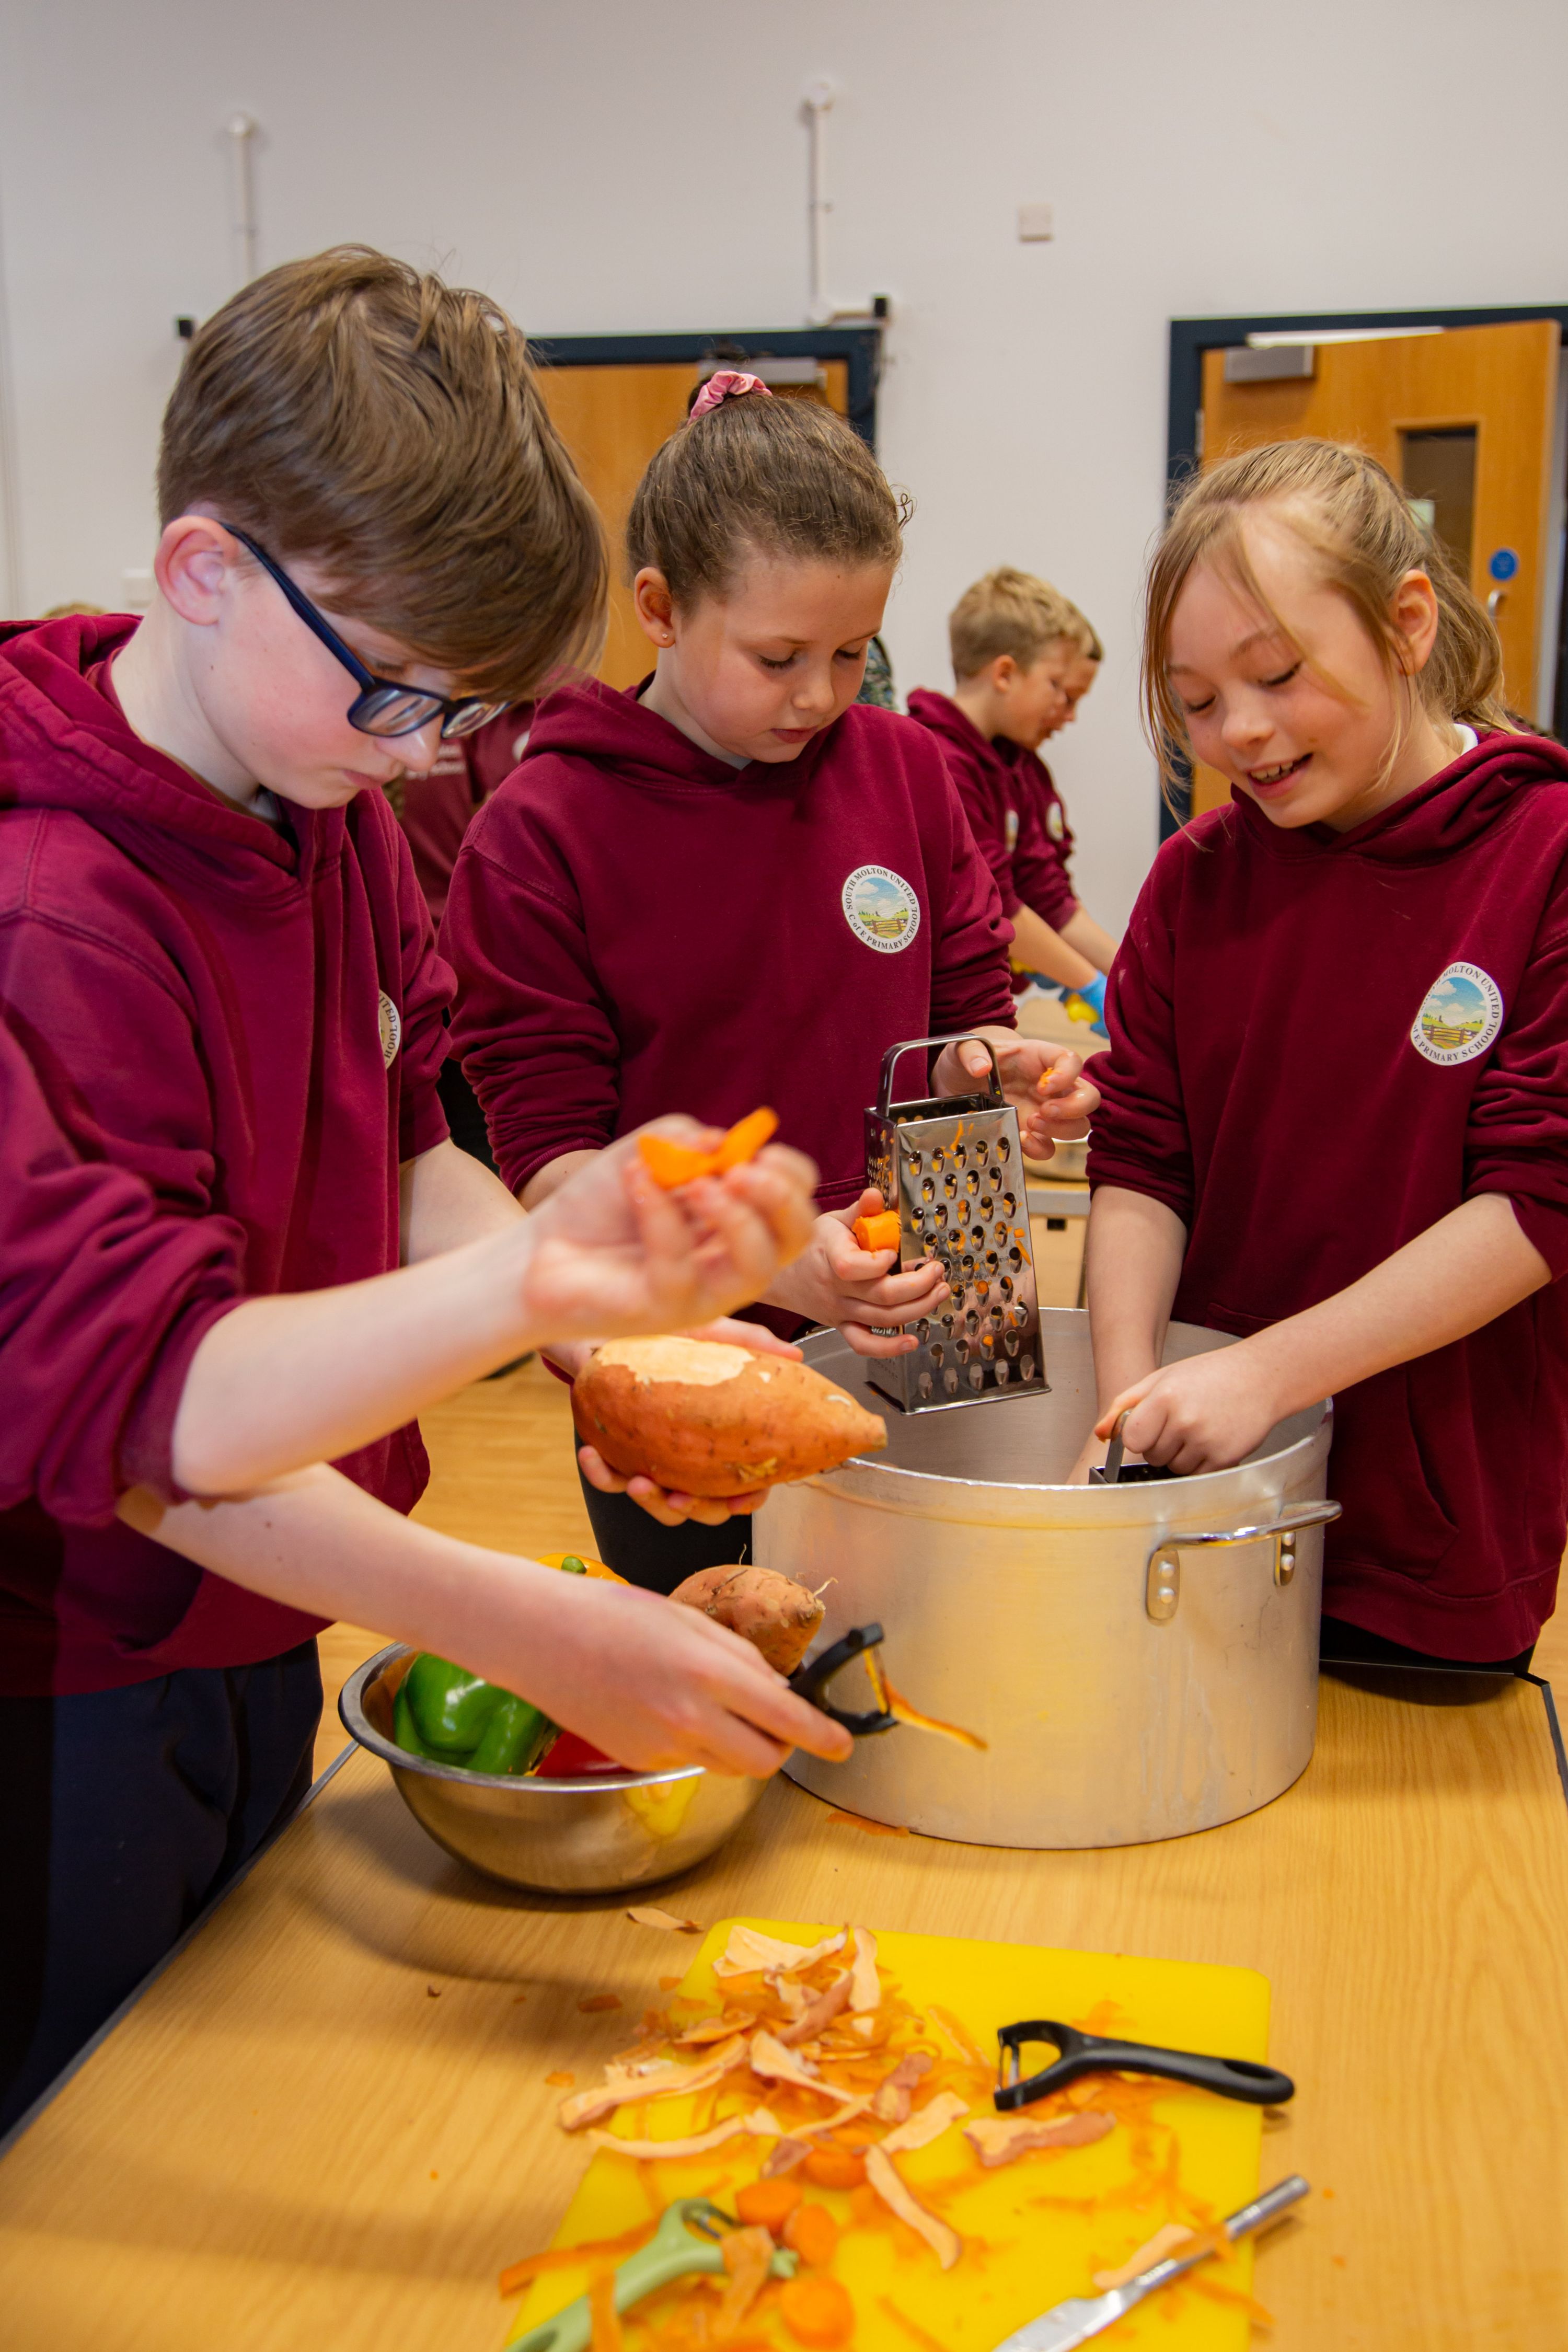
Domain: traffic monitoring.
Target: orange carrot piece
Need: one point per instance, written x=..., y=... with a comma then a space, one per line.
x=671, y=1163
x=768, y=2204
x=835, y=2168
x=816, y=2311
x=606, y=2319
x=745, y=1140
x=812, y=2230
x=597, y=2001
x=878, y=1233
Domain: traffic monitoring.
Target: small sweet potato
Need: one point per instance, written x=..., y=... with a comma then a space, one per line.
x=707, y=1419
x=776, y=1615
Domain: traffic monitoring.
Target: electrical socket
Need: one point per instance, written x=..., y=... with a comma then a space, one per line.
x=1036, y=223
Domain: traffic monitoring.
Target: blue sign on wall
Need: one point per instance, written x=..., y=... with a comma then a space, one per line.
x=1504, y=563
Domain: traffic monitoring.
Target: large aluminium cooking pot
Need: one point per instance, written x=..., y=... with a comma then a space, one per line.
x=1142, y=1659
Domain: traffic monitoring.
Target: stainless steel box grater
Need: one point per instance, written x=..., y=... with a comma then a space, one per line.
x=954, y=1169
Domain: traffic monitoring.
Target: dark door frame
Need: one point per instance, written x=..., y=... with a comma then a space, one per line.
x=861, y=347
x=1190, y=338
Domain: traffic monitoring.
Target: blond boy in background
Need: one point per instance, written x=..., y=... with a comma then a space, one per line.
x=1024, y=657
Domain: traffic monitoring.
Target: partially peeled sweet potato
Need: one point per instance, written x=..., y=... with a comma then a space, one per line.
x=707, y=1419
x=772, y=1612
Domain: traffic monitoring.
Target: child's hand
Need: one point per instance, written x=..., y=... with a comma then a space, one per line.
x=1206, y=1413
x=836, y=1281
x=1045, y=1083
x=611, y=1253
x=655, y=1684
x=668, y=1507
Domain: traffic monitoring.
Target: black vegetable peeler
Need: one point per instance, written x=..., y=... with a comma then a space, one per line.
x=810, y=1681
x=1089, y=2054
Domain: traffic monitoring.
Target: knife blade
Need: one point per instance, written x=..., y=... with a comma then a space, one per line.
x=1081, y=2316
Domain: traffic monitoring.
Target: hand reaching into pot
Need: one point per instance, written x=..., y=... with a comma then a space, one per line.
x=1205, y=1413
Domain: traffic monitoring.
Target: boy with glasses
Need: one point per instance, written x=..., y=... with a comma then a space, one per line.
x=222, y=982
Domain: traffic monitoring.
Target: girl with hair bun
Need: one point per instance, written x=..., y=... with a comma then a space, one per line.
x=736, y=884
x=1336, y=1103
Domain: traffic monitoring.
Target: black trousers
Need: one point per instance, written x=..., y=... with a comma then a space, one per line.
x=126, y=1812
x=659, y=1559
x=1341, y=1645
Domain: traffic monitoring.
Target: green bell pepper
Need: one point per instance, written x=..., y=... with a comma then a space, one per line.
x=448, y=1715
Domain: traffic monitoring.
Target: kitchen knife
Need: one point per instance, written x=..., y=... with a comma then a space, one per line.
x=1081, y=2316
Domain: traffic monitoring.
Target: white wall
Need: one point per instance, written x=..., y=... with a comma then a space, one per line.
x=604, y=165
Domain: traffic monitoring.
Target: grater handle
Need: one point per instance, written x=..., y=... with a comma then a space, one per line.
x=891, y=1058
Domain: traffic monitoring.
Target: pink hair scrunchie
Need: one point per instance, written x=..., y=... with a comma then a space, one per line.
x=726, y=385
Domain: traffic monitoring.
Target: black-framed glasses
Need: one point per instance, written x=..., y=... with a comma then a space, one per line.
x=382, y=706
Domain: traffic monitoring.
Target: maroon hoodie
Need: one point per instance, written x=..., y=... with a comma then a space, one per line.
x=1040, y=807
x=640, y=928
x=249, y=1024
x=1005, y=808
x=437, y=809
x=1321, y=1043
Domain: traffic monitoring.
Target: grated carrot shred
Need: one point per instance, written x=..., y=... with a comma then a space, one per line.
x=911, y=2327
x=559, y=2258
x=607, y=2337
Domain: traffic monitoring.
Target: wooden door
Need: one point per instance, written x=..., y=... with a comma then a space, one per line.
x=613, y=418
x=1465, y=420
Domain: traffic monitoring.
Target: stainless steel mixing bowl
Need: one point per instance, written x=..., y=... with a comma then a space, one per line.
x=589, y=1836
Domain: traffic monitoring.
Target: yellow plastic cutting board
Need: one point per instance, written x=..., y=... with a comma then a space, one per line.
x=1035, y=2252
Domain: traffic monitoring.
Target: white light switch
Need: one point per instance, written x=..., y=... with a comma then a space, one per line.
x=1036, y=223
x=136, y=588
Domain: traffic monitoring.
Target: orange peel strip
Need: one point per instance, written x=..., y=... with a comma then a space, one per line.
x=893, y=1702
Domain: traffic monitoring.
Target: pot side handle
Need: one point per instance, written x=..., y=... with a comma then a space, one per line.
x=1162, y=1583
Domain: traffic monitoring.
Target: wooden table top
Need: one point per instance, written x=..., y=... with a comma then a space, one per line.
x=327, y=2124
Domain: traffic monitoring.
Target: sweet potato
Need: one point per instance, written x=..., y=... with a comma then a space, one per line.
x=776, y=1615
x=878, y=1233
x=706, y=1418
x=672, y=1164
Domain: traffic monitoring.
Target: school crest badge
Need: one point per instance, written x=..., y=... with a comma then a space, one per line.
x=391, y=1029
x=1460, y=1016
x=1011, y=830
x=1054, y=824
x=882, y=909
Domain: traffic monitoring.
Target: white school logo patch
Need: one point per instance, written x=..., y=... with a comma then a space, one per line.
x=880, y=909
x=391, y=1029
x=1012, y=831
x=1460, y=1016
x=1054, y=824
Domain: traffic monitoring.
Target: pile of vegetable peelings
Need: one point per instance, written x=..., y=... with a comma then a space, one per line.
x=813, y=2055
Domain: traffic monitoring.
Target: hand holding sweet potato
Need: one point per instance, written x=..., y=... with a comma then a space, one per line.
x=710, y=1420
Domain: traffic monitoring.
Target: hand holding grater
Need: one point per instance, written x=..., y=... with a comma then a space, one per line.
x=953, y=1168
